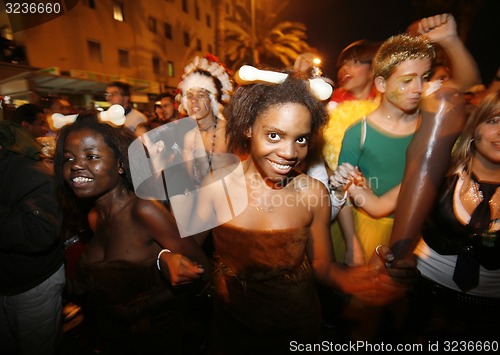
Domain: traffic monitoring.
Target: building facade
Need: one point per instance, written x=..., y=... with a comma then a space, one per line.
x=146, y=43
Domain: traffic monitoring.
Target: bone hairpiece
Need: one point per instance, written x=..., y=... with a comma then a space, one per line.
x=115, y=116
x=59, y=120
x=320, y=88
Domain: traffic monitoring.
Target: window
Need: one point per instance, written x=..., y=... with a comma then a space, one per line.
x=94, y=50
x=209, y=48
x=123, y=58
x=152, y=24
x=187, y=41
x=168, y=30
x=209, y=20
x=170, y=69
x=185, y=6
x=118, y=13
x=156, y=65
x=198, y=44
x=196, y=11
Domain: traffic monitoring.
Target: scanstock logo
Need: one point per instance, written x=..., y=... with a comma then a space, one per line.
x=24, y=14
x=167, y=163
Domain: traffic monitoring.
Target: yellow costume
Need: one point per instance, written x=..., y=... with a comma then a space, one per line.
x=341, y=117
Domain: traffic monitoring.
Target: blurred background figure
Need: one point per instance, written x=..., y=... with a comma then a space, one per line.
x=165, y=109
x=31, y=249
x=354, y=73
x=119, y=93
x=55, y=104
x=32, y=118
x=144, y=127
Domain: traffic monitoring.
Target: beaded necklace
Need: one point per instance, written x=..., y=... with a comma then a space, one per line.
x=210, y=153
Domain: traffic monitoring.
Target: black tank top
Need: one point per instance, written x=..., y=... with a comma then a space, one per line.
x=444, y=233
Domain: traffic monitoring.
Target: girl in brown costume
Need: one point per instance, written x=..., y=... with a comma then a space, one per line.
x=269, y=256
x=134, y=309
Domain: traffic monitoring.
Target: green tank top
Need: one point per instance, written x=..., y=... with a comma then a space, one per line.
x=381, y=157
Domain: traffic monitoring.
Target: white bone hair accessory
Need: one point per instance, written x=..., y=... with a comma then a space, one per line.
x=248, y=74
x=114, y=116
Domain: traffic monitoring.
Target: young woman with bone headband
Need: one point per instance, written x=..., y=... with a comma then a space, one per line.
x=268, y=256
x=205, y=86
x=131, y=303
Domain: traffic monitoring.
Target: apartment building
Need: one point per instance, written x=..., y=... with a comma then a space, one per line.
x=146, y=43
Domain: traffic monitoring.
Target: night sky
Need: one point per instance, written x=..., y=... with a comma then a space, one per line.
x=334, y=24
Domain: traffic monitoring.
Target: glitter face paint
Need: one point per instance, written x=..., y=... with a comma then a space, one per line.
x=405, y=86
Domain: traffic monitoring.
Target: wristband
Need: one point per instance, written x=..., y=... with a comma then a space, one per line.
x=159, y=255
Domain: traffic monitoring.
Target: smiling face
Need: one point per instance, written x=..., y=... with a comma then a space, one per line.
x=198, y=104
x=404, y=87
x=279, y=141
x=487, y=140
x=90, y=167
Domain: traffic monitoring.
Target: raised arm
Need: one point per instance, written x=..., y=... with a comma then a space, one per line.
x=442, y=29
x=427, y=161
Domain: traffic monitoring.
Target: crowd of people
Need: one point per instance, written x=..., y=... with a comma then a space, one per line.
x=250, y=214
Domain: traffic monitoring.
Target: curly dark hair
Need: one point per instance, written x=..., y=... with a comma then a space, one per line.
x=250, y=101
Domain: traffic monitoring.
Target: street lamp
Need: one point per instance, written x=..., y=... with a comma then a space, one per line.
x=316, y=70
x=254, y=54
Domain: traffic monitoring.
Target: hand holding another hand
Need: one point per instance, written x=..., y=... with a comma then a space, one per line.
x=179, y=269
x=344, y=176
x=392, y=278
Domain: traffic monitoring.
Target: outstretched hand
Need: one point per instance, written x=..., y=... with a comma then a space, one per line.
x=392, y=278
x=179, y=269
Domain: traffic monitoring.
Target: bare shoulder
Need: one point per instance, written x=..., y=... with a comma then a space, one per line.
x=307, y=183
x=147, y=209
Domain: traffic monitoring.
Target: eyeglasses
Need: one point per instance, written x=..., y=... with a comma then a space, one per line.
x=112, y=94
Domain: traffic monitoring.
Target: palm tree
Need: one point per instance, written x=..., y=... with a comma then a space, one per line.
x=275, y=43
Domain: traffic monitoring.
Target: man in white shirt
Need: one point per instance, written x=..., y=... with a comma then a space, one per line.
x=118, y=93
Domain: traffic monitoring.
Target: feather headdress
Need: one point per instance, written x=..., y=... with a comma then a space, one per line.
x=208, y=74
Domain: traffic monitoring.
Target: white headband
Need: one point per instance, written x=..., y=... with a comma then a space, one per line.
x=248, y=74
x=115, y=116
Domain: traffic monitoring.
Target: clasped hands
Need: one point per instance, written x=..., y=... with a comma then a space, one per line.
x=383, y=280
x=344, y=176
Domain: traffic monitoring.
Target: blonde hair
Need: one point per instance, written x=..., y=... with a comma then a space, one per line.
x=399, y=48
